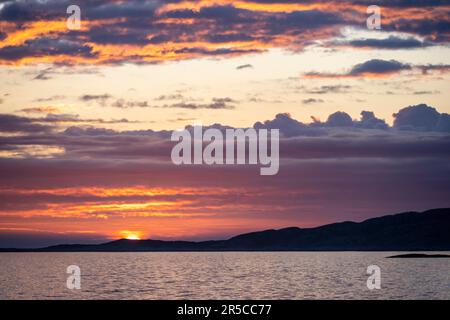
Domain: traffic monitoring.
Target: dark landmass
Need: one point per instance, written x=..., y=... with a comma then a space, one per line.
x=420, y=255
x=410, y=231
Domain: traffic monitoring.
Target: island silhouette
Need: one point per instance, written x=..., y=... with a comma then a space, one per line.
x=409, y=231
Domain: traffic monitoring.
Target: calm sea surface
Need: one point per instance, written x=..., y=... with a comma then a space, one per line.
x=229, y=275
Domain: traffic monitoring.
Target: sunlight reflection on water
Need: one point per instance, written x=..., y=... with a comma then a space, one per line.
x=222, y=275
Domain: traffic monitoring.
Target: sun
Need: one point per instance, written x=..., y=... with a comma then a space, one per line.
x=131, y=235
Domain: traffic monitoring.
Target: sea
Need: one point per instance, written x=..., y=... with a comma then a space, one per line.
x=222, y=275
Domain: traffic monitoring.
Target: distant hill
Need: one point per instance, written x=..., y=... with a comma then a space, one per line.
x=410, y=231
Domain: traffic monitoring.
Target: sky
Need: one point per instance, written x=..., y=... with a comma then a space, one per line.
x=86, y=115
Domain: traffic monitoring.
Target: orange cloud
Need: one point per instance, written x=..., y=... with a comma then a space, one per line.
x=139, y=211
x=248, y=5
x=187, y=35
x=32, y=30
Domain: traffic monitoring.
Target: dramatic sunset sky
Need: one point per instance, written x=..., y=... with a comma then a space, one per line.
x=86, y=115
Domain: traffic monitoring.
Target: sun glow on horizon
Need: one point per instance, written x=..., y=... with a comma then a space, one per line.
x=131, y=235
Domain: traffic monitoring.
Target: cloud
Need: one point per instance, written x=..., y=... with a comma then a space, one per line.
x=186, y=103
x=70, y=133
x=101, y=176
x=50, y=72
x=392, y=42
x=420, y=25
x=338, y=137
x=422, y=117
x=339, y=119
x=258, y=99
x=40, y=110
x=406, y=3
x=11, y=123
x=371, y=68
x=51, y=122
x=42, y=76
x=438, y=67
x=14, y=11
x=44, y=47
x=202, y=51
x=244, y=66
x=217, y=103
x=99, y=98
x=288, y=127
x=327, y=89
x=370, y=121
x=361, y=167
x=74, y=118
x=176, y=96
x=424, y=92
x=312, y=101
x=130, y=9
x=49, y=99
x=377, y=68
x=158, y=31
x=122, y=103
x=224, y=38
x=102, y=173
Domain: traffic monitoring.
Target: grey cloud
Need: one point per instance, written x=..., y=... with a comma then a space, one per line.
x=52, y=122
x=288, y=127
x=74, y=118
x=392, y=42
x=45, y=47
x=421, y=118
x=443, y=124
x=369, y=121
x=312, y=101
x=326, y=89
x=217, y=103
x=99, y=98
x=11, y=123
x=217, y=52
x=27, y=10
x=49, y=72
x=437, y=67
x=244, y=66
x=122, y=103
x=426, y=92
x=175, y=96
x=377, y=66
x=339, y=119
x=130, y=9
x=370, y=67
x=52, y=98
